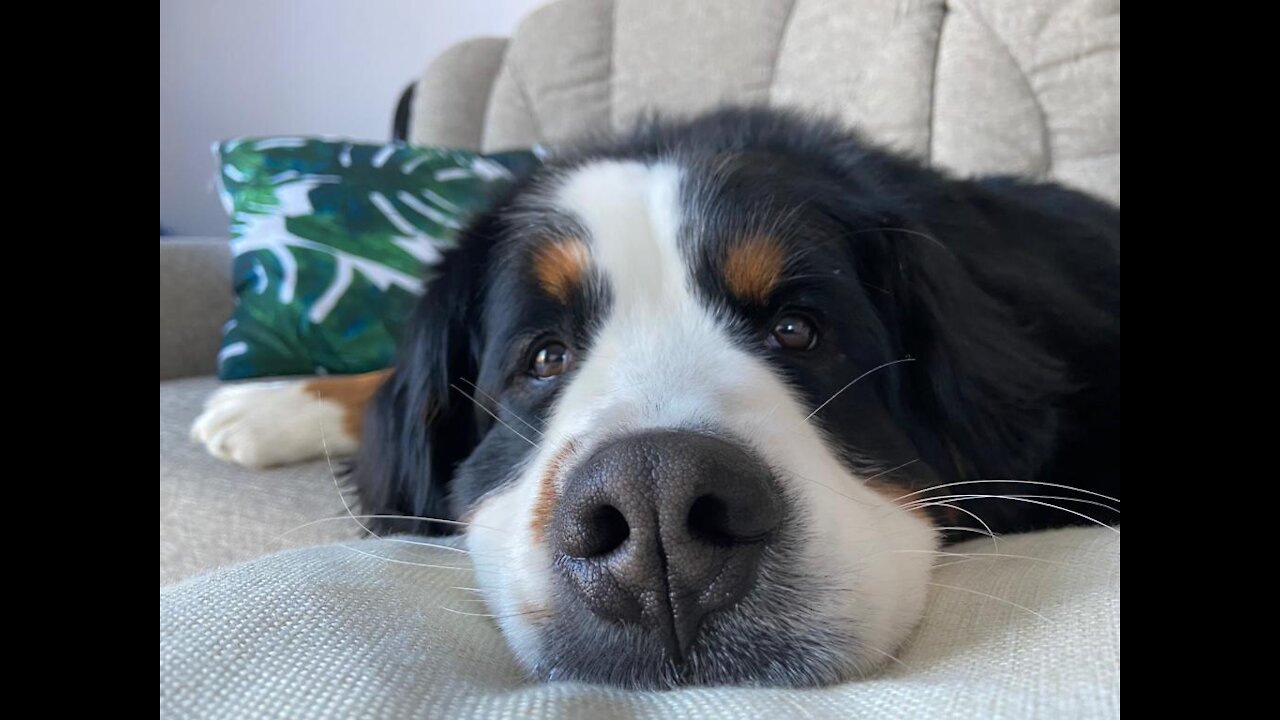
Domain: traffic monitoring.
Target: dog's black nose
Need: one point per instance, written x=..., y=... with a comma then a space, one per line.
x=663, y=527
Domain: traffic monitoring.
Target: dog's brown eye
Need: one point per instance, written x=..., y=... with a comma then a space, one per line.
x=793, y=332
x=551, y=360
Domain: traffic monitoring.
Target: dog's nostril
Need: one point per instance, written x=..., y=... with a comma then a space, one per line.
x=728, y=519
x=709, y=521
x=606, y=529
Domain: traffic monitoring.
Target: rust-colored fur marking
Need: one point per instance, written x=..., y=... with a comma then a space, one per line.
x=753, y=268
x=545, y=506
x=352, y=392
x=560, y=266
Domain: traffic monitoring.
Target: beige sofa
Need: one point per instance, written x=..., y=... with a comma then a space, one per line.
x=975, y=86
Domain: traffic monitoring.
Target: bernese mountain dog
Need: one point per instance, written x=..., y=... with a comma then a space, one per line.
x=705, y=398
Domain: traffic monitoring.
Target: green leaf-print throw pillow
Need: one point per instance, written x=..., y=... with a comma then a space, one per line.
x=333, y=241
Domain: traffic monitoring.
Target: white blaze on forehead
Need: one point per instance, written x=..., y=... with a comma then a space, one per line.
x=631, y=213
x=654, y=359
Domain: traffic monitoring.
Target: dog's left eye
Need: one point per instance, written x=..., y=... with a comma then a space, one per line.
x=551, y=360
x=793, y=332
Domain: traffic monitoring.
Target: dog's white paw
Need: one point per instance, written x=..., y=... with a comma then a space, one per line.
x=271, y=423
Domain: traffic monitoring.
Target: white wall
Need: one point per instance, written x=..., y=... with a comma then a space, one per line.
x=314, y=67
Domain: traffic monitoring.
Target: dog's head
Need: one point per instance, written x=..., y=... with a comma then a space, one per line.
x=673, y=387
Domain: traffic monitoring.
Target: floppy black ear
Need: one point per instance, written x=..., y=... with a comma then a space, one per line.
x=417, y=429
x=984, y=388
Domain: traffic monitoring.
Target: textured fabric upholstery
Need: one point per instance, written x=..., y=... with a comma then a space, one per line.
x=330, y=632
x=1030, y=87
x=213, y=513
x=195, y=300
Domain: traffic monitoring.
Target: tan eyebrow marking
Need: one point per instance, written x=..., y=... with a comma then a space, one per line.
x=560, y=266
x=753, y=268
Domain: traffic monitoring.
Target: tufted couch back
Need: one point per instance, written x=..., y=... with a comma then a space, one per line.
x=1030, y=87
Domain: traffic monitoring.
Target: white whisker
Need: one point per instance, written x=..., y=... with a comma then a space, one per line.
x=1011, y=498
x=854, y=382
x=1023, y=482
x=961, y=561
x=468, y=614
x=397, y=561
x=328, y=458
x=882, y=473
x=828, y=488
x=324, y=443
x=490, y=413
x=504, y=407
x=488, y=615
x=957, y=528
x=383, y=516
x=888, y=655
x=423, y=543
x=944, y=528
x=994, y=543
x=976, y=496
x=369, y=517
x=993, y=597
x=985, y=555
x=795, y=704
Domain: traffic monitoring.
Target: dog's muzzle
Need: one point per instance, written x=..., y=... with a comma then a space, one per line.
x=656, y=530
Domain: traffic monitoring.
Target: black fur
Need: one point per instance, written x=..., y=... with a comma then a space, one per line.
x=418, y=427
x=1004, y=292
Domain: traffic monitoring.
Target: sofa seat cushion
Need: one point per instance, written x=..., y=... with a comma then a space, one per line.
x=213, y=513
x=332, y=631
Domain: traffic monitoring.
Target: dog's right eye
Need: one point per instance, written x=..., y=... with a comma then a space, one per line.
x=793, y=332
x=551, y=360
